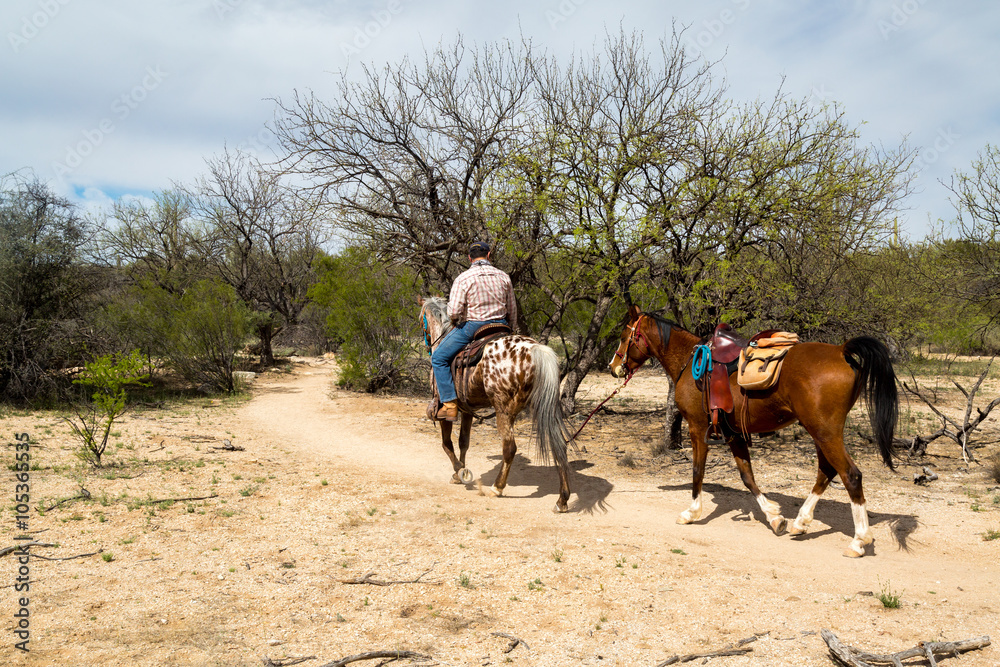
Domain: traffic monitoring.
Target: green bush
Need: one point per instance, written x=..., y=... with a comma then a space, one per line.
x=372, y=309
x=107, y=375
x=198, y=331
x=44, y=288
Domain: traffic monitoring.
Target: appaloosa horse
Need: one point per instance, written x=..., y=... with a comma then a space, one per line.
x=515, y=372
x=818, y=386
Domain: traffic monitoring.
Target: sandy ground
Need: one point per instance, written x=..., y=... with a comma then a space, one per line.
x=333, y=486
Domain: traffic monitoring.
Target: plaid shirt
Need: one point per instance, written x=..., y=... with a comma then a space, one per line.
x=482, y=293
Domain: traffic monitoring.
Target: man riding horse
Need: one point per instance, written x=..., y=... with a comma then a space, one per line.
x=483, y=294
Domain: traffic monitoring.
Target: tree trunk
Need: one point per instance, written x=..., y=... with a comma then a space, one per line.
x=672, y=423
x=265, y=332
x=588, y=355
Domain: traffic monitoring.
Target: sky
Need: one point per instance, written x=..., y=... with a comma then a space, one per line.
x=113, y=98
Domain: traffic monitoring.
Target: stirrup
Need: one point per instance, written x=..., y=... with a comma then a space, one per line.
x=717, y=440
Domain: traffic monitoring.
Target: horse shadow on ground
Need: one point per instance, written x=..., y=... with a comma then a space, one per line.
x=835, y=513
x=589, y=493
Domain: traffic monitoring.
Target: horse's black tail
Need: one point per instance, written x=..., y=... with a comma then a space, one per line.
x=870, y=359
x=546, y=410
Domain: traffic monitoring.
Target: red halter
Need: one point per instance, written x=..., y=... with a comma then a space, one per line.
x=634, y=336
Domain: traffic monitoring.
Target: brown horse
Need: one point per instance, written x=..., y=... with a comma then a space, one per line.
x=818, y=386
x=515, y=372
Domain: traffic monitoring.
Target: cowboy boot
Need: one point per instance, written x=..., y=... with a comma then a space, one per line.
x=448, y=411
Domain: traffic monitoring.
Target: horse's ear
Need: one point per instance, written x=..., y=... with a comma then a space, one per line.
x=420, y=301
x=634, y=312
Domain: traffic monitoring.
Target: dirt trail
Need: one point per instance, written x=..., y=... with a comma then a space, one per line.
x=933, y=555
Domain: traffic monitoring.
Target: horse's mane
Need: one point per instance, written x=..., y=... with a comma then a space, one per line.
x=437, y=307
x=664, y=325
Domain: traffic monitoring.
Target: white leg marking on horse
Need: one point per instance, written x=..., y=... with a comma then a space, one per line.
x=495, y=491
x=692, y=513
x=862, y=532
x=805, y=516
x=770, y=508
x=772, y=512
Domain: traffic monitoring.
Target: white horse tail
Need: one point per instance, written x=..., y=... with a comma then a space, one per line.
x=546, y=410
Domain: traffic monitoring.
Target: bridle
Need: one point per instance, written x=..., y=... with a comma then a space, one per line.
x=427, y=338
x=634, y=336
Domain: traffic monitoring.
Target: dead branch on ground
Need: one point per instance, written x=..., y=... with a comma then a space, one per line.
x=227, y=446
x=180, y=500
x=731, y=649
x=285, y=662
x=372, y=655
x=853, y=657
x=514, y=641
x=83, y=495
x=925, y=477
x=366, y=578
x=25, y=546
x=950, y=428
x=94, y=553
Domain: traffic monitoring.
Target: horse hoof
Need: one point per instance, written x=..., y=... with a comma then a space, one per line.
x=560, y=509
x=495, y=492
x=778, y=525
x=683, y=520
x=795, y=530
x=849, y=552
x=465, y=475
x=455, y=479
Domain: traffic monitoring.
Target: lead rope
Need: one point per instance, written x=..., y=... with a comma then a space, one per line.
x=601, y=404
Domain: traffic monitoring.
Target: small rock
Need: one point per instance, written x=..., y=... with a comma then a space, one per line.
x=274, y=642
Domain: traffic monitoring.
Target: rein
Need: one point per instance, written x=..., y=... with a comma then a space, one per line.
x=633, y=337
x=601, y=404
x=427, y=338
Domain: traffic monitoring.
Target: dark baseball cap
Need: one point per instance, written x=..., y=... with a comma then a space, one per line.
x=481, y=246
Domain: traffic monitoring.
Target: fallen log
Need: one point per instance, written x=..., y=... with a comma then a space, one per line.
x=854, y=657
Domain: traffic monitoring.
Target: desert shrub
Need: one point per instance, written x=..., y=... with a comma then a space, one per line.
x=198, y=332
x=371, y=309
x=44, y=287
x=993, y=467
x=107, y=376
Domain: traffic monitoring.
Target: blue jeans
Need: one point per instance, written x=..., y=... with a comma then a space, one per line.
x=452, y=344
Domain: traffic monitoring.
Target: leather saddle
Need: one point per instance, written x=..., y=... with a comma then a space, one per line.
x=726, y=346
x=727, y=349
x=472, y=354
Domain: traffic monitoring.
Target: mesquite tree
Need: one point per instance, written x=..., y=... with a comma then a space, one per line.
x=623, y=175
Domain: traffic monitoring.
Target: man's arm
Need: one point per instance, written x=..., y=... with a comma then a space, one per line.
x=511, y=306
x=457, y=301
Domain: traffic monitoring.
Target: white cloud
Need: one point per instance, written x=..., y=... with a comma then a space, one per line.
x=902, y=67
